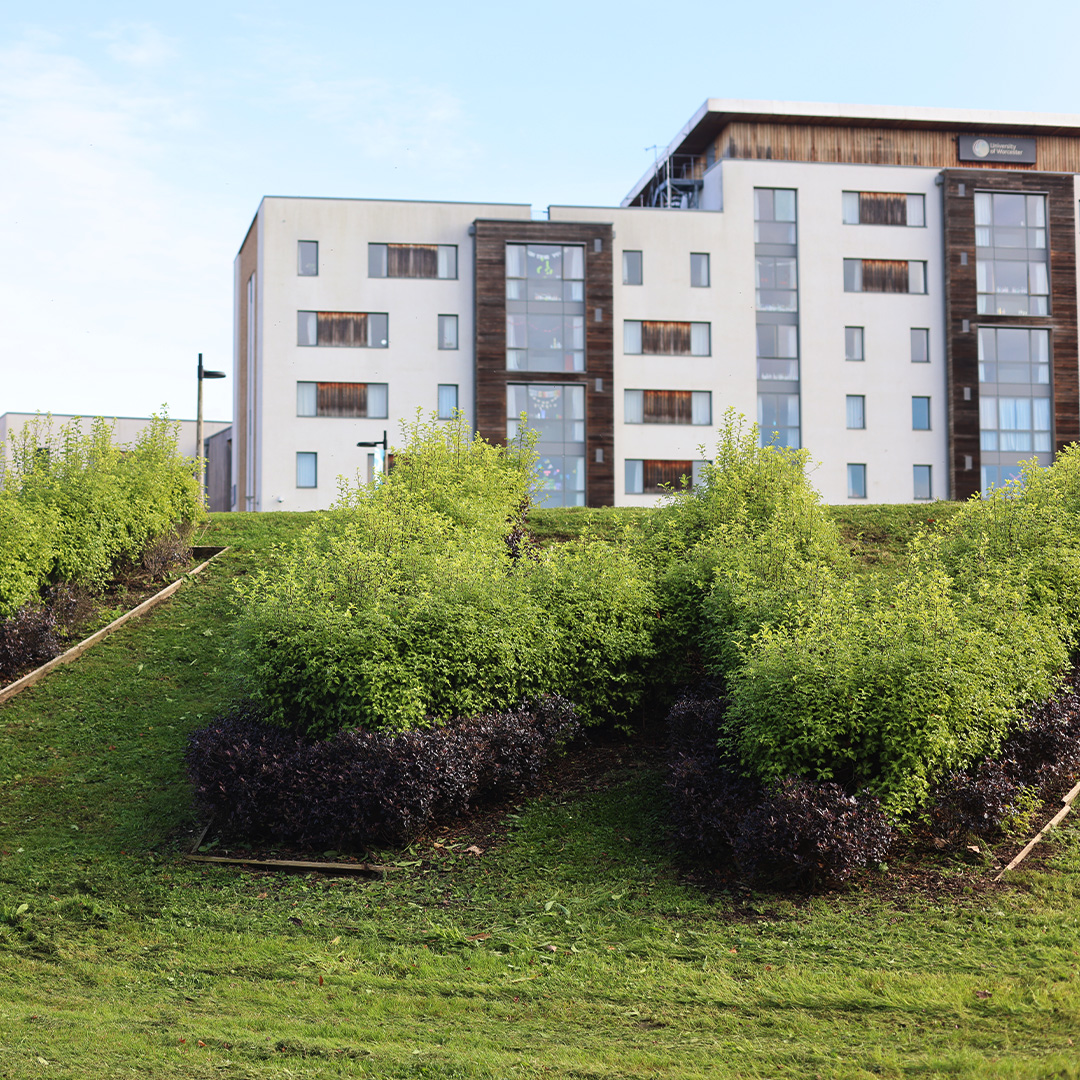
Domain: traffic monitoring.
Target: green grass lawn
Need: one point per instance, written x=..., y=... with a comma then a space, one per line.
x=572, y=947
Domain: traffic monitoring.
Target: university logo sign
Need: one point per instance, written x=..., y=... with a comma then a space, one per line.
x=997, y=148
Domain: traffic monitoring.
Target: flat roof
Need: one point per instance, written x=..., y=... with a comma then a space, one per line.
x=716, y=113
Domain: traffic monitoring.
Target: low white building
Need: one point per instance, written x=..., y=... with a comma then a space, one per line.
x=894, y=290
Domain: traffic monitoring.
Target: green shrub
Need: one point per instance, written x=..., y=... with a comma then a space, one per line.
x=405, y=604
x=82, y=507
x=738, y=551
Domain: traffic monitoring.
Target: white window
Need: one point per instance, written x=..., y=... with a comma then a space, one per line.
x=700, y=339
x=447, y=261
x=631, y=268
x=632, y=337
x=306, y=398
x=635, y=476
x=701, y=407
x=853, y=343
x=307, y=258
x=448, y=331
x=924, y=488
x=856, y=481
x=633, y=406
x=448, y=400
x=307, y=469
x=920, y=414
x=699, y=270
x=856, y=411
x=920, y=345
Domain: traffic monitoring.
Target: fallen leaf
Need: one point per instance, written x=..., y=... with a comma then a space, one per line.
x=201, y=1043
x=478, y=937
x=973, y=848
x=472, y=849
x=982, y=993
x=320, y=980
x=553, y=948
x=939, y=843
x=733, y=950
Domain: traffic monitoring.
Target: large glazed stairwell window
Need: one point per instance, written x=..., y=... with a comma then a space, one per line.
x=1011, y=269
x=777, y=302
x=545, y=307
x=557, y=414
x=1014, y=401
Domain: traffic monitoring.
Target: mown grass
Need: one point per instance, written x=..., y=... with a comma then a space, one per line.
x=572, y=948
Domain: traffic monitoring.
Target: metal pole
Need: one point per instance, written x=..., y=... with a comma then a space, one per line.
x=199, y=438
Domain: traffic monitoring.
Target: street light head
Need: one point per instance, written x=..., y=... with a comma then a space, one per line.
x=213, y=374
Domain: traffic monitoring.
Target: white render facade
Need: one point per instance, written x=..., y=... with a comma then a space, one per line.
x=742, y=272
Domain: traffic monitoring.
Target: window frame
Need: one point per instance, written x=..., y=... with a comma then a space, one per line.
x=313, y=455
x=440, y=413
x=300, y=258
x=703, y=261
x=450, y=320
x=861, y=337
x=856, y=469
x=627, y=266
x=915, y=417
x=925, y=332
x=850, y=400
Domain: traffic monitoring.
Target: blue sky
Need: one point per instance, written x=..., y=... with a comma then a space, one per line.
x=137, y=139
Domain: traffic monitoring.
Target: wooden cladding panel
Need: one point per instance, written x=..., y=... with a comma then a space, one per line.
x=665, y=338
x=879, y=208
x=879, y=146
x=412, y=260
x=667, y=407
x=346, y=328
x=342, y=399
x=656, y=474
x=884, y=275
x=962, y=357
x=492, y=378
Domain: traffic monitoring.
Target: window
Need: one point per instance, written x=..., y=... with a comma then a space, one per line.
x=778, y=420
x=883, y=208
x=351, y=400
x=920, y=414
x=923, y=485
x=412, y=260
x=699, y=270
x=853, y=343
x=631, y=268
x=545, y=307
x=856, y=481
x=1015, y=355
x=307, y=470
x=1017, y=424
x=777, y=284
x=774, y=216
x=1011, y=271
x=667, y=407
x=448, y=400
x=644, y=477
x=448, y=337
x=777, y=352
x=856, y=411
x=920, y=345
x=348, y=329
x=666, y=338
x=557, y=414
x=884, y=276
x=307, y=258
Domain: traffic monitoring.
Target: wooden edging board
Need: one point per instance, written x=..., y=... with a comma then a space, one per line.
x=76, y=651
x=280, y=864
x=1026, y=851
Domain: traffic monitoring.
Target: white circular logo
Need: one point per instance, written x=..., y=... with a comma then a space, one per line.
x=980, y=148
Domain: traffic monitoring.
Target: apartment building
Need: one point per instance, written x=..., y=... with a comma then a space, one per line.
x=894, y=290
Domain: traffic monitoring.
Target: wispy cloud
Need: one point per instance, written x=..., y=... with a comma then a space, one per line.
x=138, y=45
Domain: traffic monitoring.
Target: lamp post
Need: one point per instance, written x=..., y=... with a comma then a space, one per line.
x=378, y=442
x=203, y=374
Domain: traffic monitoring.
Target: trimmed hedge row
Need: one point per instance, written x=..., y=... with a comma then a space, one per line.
x=361, y=789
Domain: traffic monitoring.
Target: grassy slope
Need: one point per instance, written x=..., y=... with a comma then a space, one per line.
x=599, y=963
